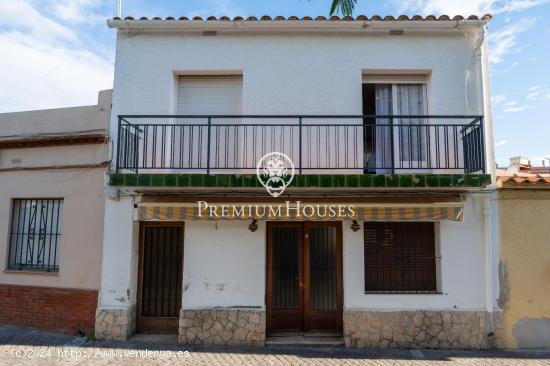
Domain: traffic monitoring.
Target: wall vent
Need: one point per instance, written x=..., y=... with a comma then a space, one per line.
x=396, y=32
x=209, y=33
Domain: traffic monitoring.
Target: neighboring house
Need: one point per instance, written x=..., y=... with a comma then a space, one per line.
x=524, y=205
x=52, y=169
x=382, y=238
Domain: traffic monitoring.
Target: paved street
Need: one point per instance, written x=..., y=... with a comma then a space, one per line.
x=30, y=347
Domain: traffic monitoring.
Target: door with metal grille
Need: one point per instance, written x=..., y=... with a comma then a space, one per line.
x=160, y=277
x=304, y=276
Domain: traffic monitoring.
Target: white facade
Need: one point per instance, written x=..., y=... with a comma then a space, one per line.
x=224, y=266
x=305, y=72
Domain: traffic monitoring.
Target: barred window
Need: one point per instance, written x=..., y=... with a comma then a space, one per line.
x=35, y=234
x=400, y=257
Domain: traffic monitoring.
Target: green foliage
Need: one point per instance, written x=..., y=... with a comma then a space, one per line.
x=345, y=7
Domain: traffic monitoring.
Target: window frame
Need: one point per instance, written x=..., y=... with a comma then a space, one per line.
x=54, y=221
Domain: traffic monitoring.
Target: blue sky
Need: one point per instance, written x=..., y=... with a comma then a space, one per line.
x=58, y=53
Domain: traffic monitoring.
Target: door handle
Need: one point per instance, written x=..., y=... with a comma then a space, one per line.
x=300, y=283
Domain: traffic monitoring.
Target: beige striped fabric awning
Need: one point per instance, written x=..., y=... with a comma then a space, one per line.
x=453, y=211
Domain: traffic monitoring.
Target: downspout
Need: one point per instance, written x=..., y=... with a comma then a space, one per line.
x=476, y=51
x=479, y=58
x=489, y=300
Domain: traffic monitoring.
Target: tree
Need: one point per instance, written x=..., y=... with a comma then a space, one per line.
x=345, y=7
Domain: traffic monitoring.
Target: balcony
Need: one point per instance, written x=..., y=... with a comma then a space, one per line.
x=370, y=144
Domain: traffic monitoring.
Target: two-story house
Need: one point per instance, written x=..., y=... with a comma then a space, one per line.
x=371, y=222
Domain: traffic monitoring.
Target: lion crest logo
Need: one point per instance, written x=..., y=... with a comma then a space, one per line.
x=275, y=172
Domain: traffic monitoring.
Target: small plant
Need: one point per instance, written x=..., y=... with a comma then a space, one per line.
x=86, y=334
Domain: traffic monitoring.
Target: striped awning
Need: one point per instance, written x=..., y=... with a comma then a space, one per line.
x=453, y=211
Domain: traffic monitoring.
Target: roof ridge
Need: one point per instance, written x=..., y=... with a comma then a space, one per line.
x=402, y=17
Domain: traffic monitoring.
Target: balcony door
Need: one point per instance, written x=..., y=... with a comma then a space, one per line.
x=304, y=276
x=395, y=143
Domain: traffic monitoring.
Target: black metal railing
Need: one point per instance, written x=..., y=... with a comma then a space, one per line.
x=365, y=144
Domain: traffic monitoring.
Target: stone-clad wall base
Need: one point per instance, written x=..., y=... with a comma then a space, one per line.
x=115, y=324
x=416, y=329
x=235, y=326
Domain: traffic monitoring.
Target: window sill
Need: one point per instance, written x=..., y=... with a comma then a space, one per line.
x=43, y=273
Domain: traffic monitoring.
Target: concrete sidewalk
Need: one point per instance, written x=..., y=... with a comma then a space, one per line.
x=22, y=346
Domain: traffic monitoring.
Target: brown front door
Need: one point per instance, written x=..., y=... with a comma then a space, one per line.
x=304, y=276
x=160, y=277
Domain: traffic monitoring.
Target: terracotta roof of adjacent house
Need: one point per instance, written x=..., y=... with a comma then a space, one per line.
x=485, y=17
x=538, y=175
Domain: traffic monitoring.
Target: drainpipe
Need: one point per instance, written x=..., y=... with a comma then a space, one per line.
x=476, y=51
x=479, y=54
x=490, y=239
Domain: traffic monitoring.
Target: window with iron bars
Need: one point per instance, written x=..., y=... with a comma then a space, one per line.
x=35, y=234
x=400, y=258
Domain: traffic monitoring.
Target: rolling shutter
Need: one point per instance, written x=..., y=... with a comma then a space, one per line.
x=210, y=95
x=400, y=257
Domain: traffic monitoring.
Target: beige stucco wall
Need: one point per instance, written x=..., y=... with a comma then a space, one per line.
x=82, y=189
x=82, y=233
x=525, y=267
x=54, y=121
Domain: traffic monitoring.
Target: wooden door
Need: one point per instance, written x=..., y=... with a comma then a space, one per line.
x=160, y=277
x=323, y=287
x=285, y=295
x=304, y=276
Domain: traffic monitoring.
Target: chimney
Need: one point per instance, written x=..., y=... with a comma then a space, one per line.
x=519, y=163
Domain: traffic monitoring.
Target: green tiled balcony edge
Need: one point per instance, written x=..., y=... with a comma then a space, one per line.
x=303, y=181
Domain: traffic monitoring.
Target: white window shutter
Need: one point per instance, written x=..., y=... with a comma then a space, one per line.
x=210, y=95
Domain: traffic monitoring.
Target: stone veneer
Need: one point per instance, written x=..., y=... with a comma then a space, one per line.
x=416, y=329
x=223, y=326
x=115, y=324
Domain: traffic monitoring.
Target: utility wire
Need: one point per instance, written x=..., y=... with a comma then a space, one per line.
x=35, y=82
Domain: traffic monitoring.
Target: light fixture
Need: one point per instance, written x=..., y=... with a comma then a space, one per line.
x=253, y=226
x=355, y=225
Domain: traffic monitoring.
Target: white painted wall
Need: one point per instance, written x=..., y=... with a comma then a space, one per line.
x=224, y=264
x=289, y=74
x=462, y=269
x=299, y=73
x=120, y=254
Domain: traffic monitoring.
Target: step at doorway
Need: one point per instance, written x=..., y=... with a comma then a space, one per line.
x=305, y=339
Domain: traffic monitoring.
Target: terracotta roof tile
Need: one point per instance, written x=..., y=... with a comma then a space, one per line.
x=402, y=17
x=522, y=178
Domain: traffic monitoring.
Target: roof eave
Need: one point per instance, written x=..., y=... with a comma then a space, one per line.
x=364, y=26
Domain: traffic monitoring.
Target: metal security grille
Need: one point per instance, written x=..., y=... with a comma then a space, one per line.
x=286, y=267
x=162, y=271
x=400, y=257
x=322, y=259
x=35, y=234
